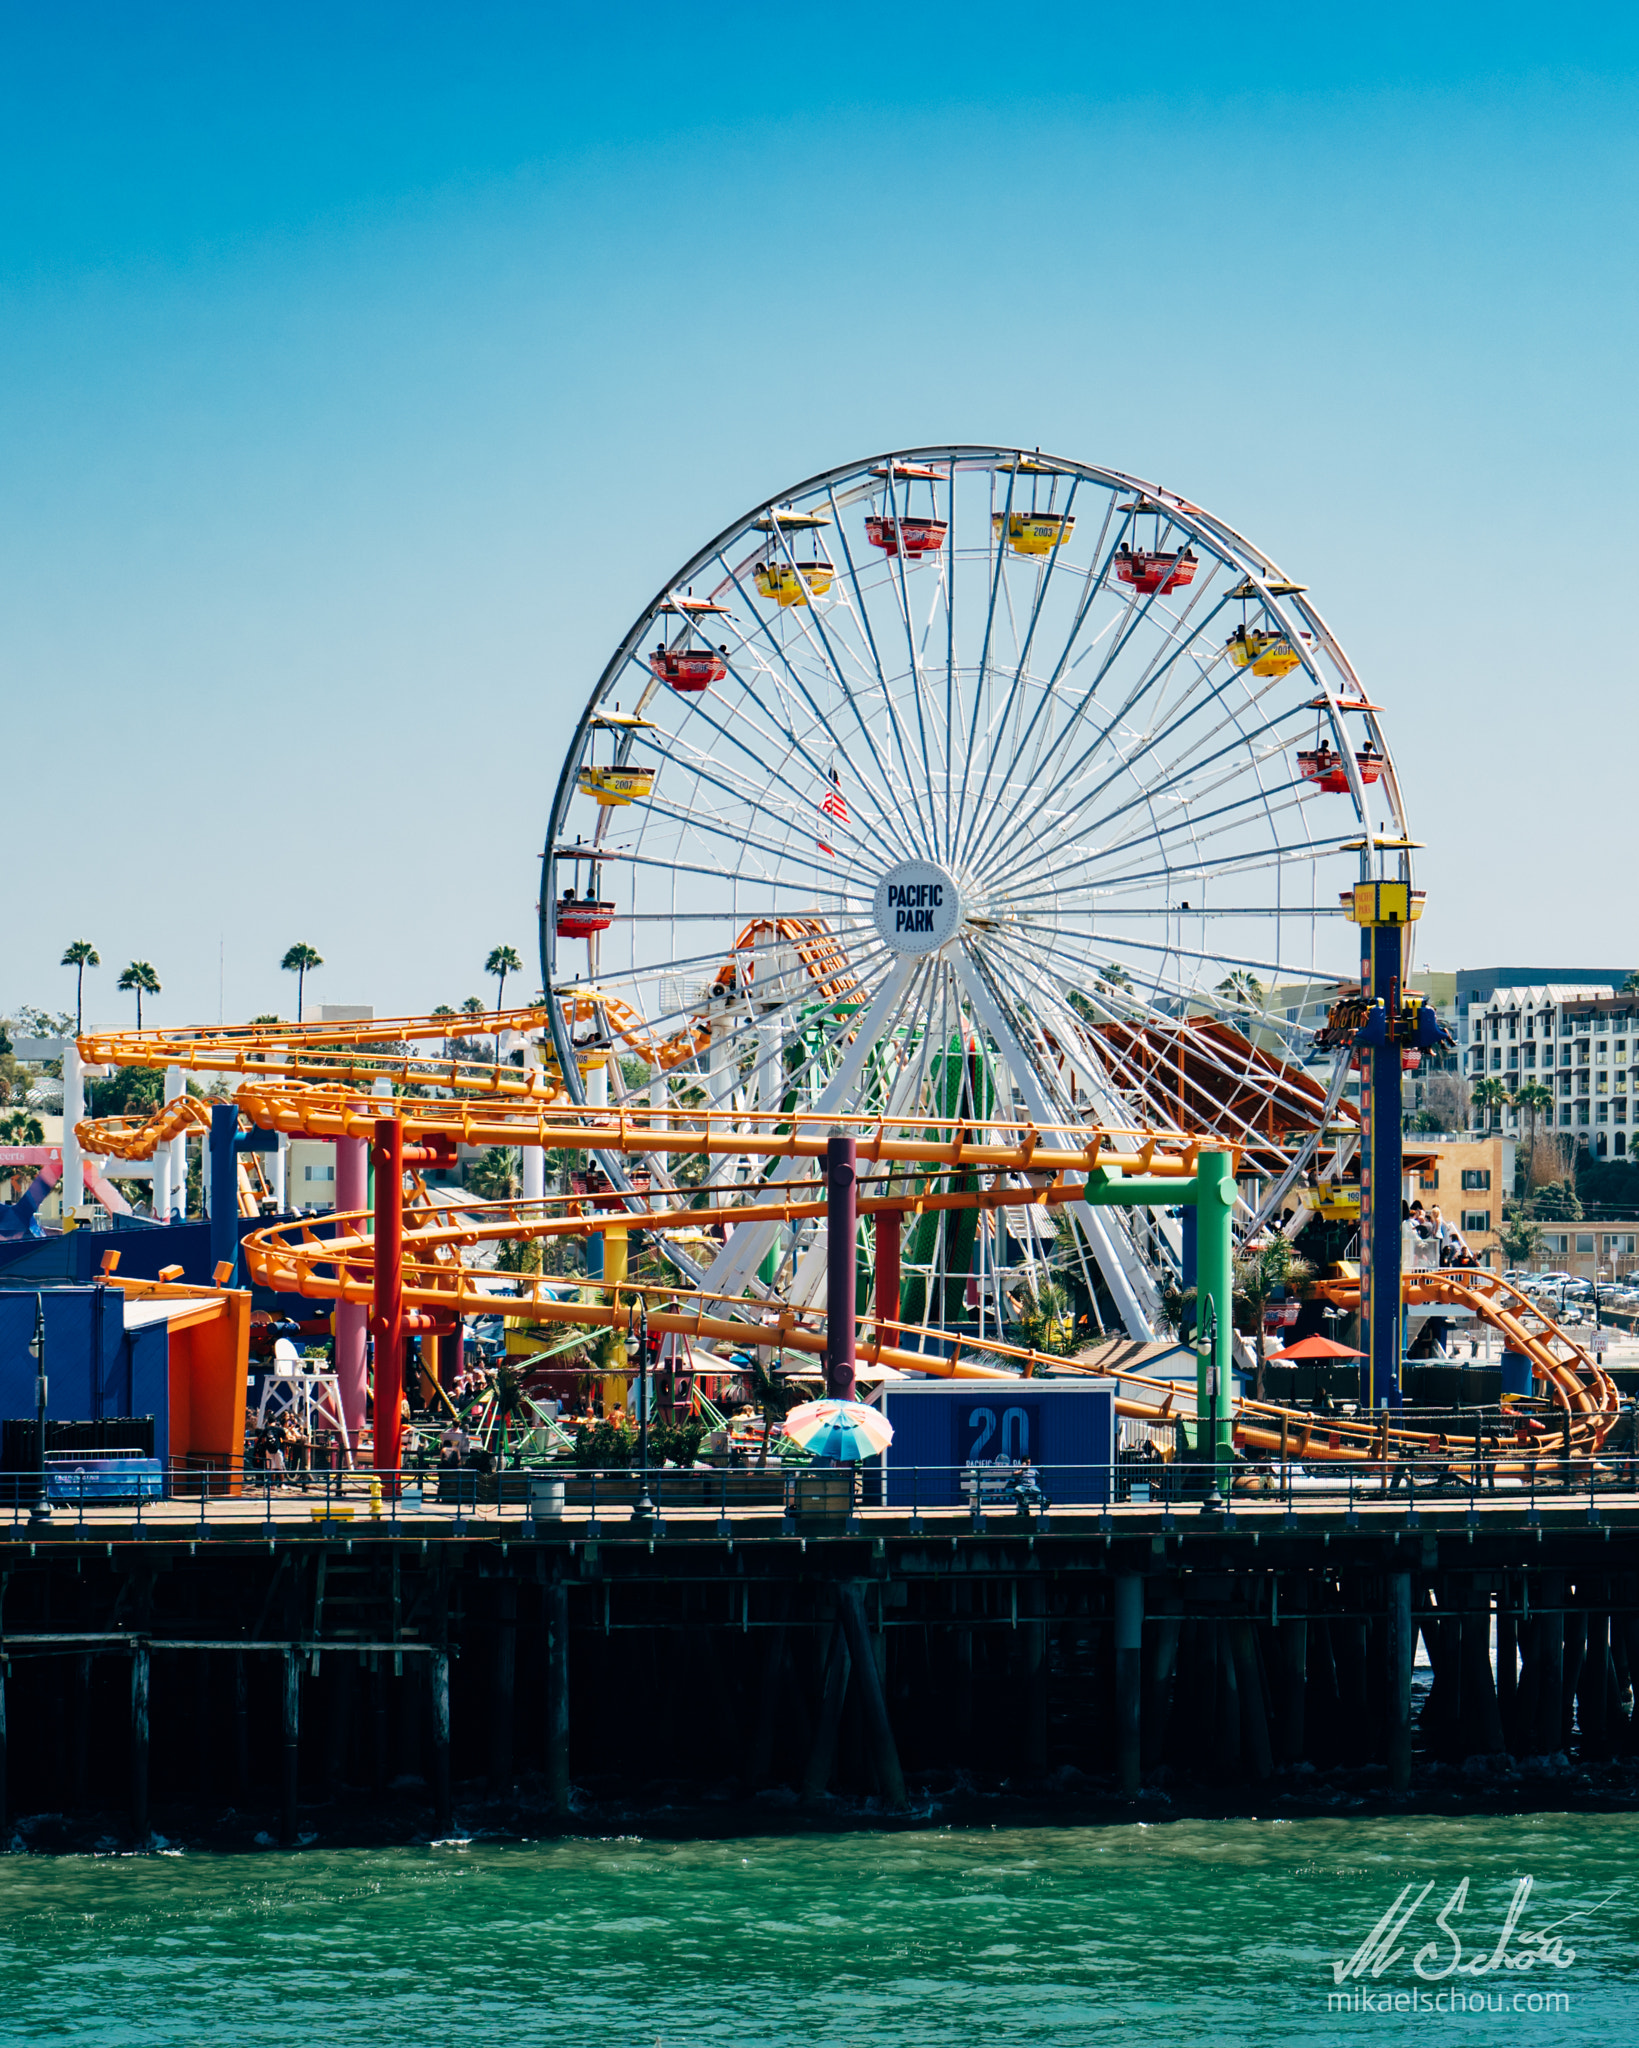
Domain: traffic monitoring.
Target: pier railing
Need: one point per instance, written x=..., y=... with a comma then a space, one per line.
x=183, y=1500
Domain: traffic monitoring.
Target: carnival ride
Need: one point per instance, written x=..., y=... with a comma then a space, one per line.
x=945, y=813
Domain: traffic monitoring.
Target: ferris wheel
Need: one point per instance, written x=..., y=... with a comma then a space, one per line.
x=972, y=782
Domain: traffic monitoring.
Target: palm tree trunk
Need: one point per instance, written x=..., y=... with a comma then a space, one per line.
x=79, y=992
x=301, y=981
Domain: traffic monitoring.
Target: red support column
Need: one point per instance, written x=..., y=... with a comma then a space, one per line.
x=387, y=1321
x=888, y=1223
x=842, y=1230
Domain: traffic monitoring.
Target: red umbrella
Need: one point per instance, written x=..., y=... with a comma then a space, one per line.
x=1316, y=1347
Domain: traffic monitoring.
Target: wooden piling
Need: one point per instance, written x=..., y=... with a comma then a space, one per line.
x=1255, y=1747
x=79, y=1737
x=443, y=1808
x=1160, y=1671
x=341, y=1665
x=1482, y=1720
x=1576, y=1649
x=1129, y=1658
x=1033, y=1604
x=760, y=1758
x=140, y=1675
x=884, y=1751
x=557, y=1694
x=5, y=1810
x=501, y=1703
x=822, y=1757
x=1550, y=1665
x=291, y=1728
x=1294, y=1686
x=241, y=1728
x=1400, y=1648
x=1593, y=1689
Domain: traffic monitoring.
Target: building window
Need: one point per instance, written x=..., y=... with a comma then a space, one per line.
x=1565, y=1114
x=1584, y=1240
x=1530, y=1055
x=1476, y=1219
x=1621, y=1049
x=1513, y=1059
x=1602, y=1111
x=1600, y=1052
x=1564, y=1084
x=1564, y=1055
x=1496, y=1061
x=1429, y=1182
x=1513, y=1025
x=1619, y=1109
x=1475, y=1178
x=318, y=1173
x=1582, y=1052
x=1621, y=1144
x=1601, y=1084
x=1582, y=1113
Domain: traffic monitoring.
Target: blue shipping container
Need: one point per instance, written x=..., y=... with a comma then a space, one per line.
x=951, y=1429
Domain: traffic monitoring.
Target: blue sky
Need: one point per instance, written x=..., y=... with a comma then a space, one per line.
x=363, y=369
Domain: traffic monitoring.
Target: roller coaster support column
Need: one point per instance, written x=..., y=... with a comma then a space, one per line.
x=887, y=1276
x=176, y=1083
x=1214, y=1209
x=841, y=1233
x=225, y=1189
x=1382, y=910
x=387, y=1321
x=352, y=1317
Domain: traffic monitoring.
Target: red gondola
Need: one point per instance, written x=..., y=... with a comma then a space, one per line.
x=688, y=669
x=912, y=537
x=1324, y=767
x=580, y=916
x=1149, y=572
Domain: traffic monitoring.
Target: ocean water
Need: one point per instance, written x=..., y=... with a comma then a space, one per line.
x=1174, y=1933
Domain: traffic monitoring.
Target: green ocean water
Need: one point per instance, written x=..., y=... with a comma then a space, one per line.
x=1177, y=1932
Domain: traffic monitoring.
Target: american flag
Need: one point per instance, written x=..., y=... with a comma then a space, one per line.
x=834, y=805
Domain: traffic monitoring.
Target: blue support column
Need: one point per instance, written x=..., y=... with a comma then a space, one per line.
x=1380, y=1174
x=225, y=1188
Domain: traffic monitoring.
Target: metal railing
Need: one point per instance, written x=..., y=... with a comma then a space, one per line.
x=184, y=1501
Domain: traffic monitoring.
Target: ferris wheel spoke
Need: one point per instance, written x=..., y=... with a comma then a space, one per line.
x=997, y=557
x=1094, y=579
x=739, y=1259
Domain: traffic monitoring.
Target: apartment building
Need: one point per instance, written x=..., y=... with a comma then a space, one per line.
x=1579, y=1039
x=1467, y=1179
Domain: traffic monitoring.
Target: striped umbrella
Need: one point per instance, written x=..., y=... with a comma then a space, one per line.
x=839, y=1429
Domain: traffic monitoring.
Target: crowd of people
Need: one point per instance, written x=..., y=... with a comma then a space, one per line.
x=1420, y=1226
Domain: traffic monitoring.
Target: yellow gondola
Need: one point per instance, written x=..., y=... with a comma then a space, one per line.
x=1267, y=654
x=1033, y=533
x=616, y=785
x=789, y=585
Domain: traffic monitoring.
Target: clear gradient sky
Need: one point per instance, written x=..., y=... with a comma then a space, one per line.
x=364, y=368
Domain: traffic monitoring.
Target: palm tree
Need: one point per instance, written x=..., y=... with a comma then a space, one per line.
x=81, y=955
x=1242, y=989
x=502, y=962
x=1536, y=1101
x=1491, y=1095
x=444, y=1010
x=21, y=1129
x=300, y=961
x=1631, y=986
x=141, y=977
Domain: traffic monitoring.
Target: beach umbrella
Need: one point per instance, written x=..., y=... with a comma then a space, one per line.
x=1315, y=1347
x=839, y=1429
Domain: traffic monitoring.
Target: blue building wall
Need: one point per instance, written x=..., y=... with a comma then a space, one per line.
x=94, y=1367
x=1066, y=1429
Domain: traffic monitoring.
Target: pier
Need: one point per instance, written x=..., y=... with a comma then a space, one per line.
x=231, y=1658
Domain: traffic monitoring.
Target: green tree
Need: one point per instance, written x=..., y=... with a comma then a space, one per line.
x=1242, y=990
x=1535, y=1100
x=80, y=955
x=496, y=1176
x=1631, y=986
x=141, y=978
x=503, y=960
x=1521, y=1239
x=1557, y=1202
x=444, y=1010
x=1257, y=1274
x=300, y=961
x=21, y=1129
x=1491, y=1096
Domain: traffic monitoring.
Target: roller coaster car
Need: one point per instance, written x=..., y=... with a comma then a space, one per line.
x=1266, y=654
x=1149, y=573
x=910, y=537
x=790, y=586
x=1033, y=533
x=1323, y=766
x=579, y=917
x=688, y=669
x=616, y=785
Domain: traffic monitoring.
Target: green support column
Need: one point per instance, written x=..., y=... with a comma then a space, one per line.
x=1214, y=1211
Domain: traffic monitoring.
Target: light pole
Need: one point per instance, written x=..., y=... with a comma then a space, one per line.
x=637, y=1337
x=41, y=1510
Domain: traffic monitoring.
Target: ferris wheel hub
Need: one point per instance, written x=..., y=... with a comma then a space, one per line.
x=916, y=907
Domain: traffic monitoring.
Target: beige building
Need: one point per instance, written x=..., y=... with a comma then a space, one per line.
x=1468, y=1181
x=1591, y=1251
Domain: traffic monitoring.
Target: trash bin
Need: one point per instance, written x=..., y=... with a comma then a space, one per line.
x=546, y=1496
